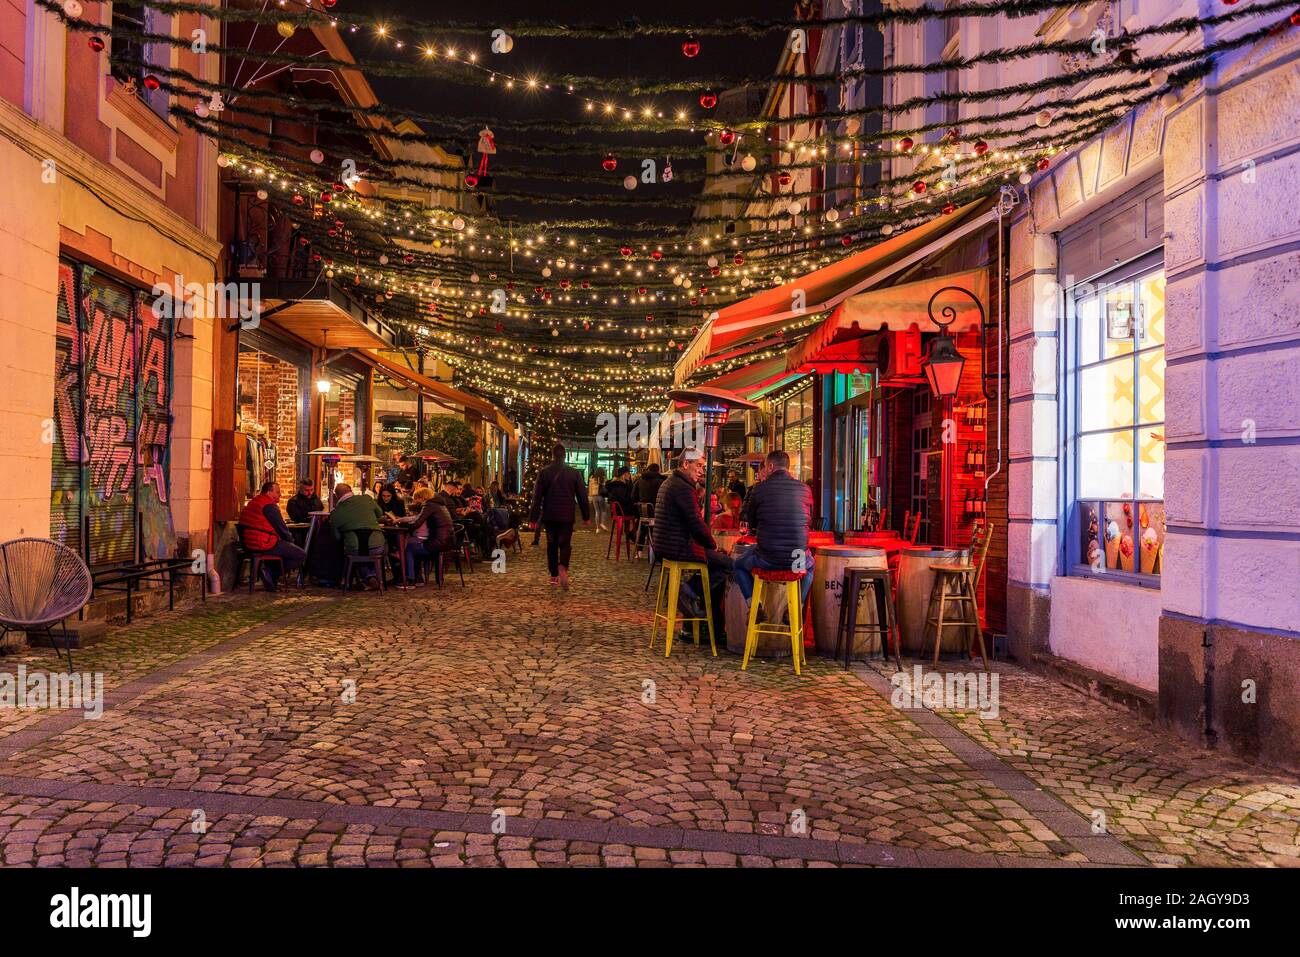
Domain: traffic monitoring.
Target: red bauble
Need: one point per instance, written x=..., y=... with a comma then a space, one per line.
x=656, y=255
x=471, y=180
x=315, y=257
x=690, y=47
x=1044, y=163
x=303, y=241
x=328, y=3
x=340, y=187
x=586, y=284
x=538, y=290
x=1295, y=19
x=408, y=258
x=298, y=200
x=703, y=290
x=783, y=178
x=715, y=271
x=331, y=232
x=906, y=143
x=708, y=99
x=625, y=252
x=948, y=209
x=727, y=137
x=609, y=163
x=96, y=43
x=738, y=259
x=151, y=82
x=846, y=241
x=695, y=300
x=641, y=291
x=326, y=196
x=650, y=317
x=918, y=187
x=564, y=284
x=981, y=147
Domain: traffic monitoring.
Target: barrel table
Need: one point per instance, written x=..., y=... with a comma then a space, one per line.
x=829, y=563
x=915, y=579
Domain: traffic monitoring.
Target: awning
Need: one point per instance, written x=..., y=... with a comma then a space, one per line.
x=322, y=313
x=439, y=390
x=842, y=339
x=824, y=289
x=756, y=379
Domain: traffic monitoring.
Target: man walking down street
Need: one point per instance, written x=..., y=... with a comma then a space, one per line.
x=559, y=489
x=779, y=512
x=681, y=535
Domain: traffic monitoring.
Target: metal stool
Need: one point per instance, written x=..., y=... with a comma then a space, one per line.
x=375, y=561
x=794, y=611
x=885, y=625
x=670, y=583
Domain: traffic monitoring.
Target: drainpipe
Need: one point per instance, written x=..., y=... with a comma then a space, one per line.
x=1007, y=201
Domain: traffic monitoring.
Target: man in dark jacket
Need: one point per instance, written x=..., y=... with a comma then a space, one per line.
x=680, y=532
x=305, y=502
x=779, y=512
x=559, y=489
x=646, y=489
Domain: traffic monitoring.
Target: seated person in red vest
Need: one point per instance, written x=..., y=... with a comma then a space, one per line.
x=262, y=530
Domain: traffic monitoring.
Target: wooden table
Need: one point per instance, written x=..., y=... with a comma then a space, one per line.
x=829, y=563
x=401, y=532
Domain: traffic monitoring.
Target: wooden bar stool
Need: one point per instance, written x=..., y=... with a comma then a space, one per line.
x=670, y=584
x=955, y=585
x=886, y=623
x=794, y=611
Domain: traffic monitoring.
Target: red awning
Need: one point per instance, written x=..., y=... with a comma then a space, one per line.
x=818, y=291
x=842, y=338
x=754, y=379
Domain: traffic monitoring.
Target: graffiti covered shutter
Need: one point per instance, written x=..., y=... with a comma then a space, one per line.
x=65, y=471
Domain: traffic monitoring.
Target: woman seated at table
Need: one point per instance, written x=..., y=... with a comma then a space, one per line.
x=729, y=521
x=433, y=532
x=390, y=502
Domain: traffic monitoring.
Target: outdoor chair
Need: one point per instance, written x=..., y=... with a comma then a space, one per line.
x=255, y=561
x=42, y=583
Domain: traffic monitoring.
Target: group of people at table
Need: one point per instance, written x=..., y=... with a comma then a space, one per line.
x=357, y=522
x=777, y=512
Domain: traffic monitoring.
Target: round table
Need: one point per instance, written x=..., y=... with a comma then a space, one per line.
x=915, y=580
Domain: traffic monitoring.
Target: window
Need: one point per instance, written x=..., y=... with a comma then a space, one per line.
x=129, y=57
x=796, y=432
x=1117, y=359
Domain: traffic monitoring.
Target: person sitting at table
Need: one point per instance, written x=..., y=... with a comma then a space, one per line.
x=734, y=484
x=356, y=520
x=262, y=531
x=681, y=535
x=305, y=502
x=729, y=521
x=778, y=511
x=433, y=531
x=390, y=503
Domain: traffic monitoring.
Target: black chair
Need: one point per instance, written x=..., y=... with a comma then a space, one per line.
x=438, y=562
x=244, y=554
x=354, y=561
x=877, y=579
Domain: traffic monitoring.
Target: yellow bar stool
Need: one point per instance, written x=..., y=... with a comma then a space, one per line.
x=670, y=584
x=794, y=608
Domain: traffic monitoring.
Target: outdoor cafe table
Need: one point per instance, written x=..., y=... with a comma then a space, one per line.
x=915, y=580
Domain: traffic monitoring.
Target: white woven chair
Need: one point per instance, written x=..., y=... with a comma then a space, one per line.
x=42, y=583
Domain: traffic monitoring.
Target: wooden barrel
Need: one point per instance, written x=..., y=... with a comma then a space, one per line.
x=915, y=579
x=829, y=563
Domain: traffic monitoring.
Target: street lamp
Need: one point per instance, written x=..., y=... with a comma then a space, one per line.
x=714, y=406
x=943, y=367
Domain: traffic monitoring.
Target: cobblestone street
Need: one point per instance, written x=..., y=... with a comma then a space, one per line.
x=505, y=725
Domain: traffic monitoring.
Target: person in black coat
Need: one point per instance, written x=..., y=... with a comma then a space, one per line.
x=560, y=490
x=305, y=502
x=680, y=533
x=646, y=489
x=778, y=511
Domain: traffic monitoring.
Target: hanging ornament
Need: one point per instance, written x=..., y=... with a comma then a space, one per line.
x=328, y=4
x=215, y=104
x=473, y=277
x=738, y=259
x=906, y=144
x=656, y=255
x=458, y=224
x=949, y=209
x=383, y=259
x=201, y=110
x=846, y=241
x=784, y=178
x=327, y=197
x=151, y=82
x=262, y=195
x=285, y=29
x=625, y=252
x=298, y=199
x=1025, y=179
x=471, y=180
x=72, y=8
x=708, y=99
x=96, y=43
x=1044, y=118
x=1044, y=163
x=629, y=182
x=715, y=271
x=487, y=146
x=727, y=137
x=667, y=174
x=609, y=163
x=546, y=272
x=748, y=163
x=918, y=187
x=1159, y=78
x=981, y=147
x=832, y=215
x=887, y=229
x=316, y=156
x=502, y=42
x=690, y=48
x=223, y=160
x=555, y=332
x=713, y=261
x=795, y=208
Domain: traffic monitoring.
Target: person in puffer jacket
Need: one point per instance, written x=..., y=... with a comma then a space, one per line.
x=680, y=532
x=778, y=511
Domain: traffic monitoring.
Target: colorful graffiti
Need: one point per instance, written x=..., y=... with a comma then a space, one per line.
x=112, y=418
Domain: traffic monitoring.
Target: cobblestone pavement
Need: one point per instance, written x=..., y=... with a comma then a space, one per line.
x=511, y=723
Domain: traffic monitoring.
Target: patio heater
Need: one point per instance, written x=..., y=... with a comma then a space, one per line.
x=714, y=406
x=435, y=461
x=329, y=457
x=366, y=463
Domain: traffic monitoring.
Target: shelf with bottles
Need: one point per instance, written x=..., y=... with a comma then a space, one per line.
x=973, y=504
x=974, y=415
x=974, y=459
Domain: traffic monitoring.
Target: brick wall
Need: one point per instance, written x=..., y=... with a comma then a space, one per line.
x=268, y=396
